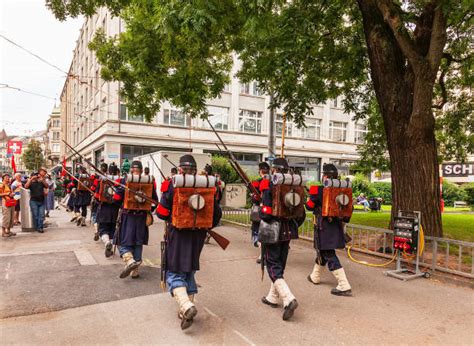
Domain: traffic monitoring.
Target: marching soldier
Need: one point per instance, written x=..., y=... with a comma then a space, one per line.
x=276, y=254
x=95, y=200
x=263, y=171
x=108, y=209
x=82, y=197
x=188, y=225
x=329, y=235
x=134, y=218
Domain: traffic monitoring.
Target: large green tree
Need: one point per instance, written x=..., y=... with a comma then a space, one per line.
x=389, y=59
x=33, y=156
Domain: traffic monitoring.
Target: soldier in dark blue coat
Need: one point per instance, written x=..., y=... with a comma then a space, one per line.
x=184, y=247
x=107, y=212
x=82, y=200
x=329, y=235
x=276, y=255
x=95, y=198
x=263, y=171
x=133, y=229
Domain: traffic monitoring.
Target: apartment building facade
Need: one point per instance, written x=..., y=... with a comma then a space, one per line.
x=52, y=138
x=97, y=123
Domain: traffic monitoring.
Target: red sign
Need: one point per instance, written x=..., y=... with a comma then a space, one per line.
x=14, y=147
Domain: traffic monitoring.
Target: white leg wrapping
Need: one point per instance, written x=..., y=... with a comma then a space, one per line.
x=182, y=298
x=316, y=273
x=342, y=282
x=272, y=295
x=284, y=291
x=105, y=238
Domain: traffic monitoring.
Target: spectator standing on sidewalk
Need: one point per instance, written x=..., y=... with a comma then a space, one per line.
x=49, y=202
x=16, y=187
x=37, y=184
x=8, y=206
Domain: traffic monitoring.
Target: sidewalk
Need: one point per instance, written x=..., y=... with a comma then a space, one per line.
x=88, y=304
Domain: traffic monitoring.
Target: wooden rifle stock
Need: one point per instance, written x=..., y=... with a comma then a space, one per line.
x=220, y=240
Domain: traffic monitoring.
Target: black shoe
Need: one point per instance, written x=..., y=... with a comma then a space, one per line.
x=96, y=236
x=336, y=292
x=269, y=303
x=188, y=318
x=309, y=279
x=40, y=230
x=290, y=310
x=136, y=276
x=108, y=250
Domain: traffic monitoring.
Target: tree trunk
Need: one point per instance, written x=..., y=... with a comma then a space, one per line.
x=415, y=177
x=404, y=92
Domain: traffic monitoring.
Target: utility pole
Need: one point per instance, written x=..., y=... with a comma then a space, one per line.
x=271, y=131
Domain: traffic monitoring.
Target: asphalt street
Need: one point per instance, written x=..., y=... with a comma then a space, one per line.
x=58, y=288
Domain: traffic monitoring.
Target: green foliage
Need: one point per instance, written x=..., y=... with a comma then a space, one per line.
x=222, y=166
x=360, y=184
x=384, y=191
x=469, y=193
x=33, y=156
x=452, y=193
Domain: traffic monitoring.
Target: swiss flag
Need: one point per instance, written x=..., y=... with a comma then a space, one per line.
x=13, y=164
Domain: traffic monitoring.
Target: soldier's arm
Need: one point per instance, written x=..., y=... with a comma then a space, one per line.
x=163, y=211
x=267, y=201
x=313, y=199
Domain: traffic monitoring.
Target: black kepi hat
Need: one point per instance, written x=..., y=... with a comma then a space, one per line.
x=187, y=161
x=136, y=164
x=281, y=163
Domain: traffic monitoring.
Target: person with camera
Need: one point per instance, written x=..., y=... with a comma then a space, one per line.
x=37, y=185
x=8, y=206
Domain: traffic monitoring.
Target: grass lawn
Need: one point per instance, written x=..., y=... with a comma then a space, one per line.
x=455, y=226
x=446, y=209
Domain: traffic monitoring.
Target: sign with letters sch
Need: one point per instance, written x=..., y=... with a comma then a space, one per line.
x=458, y=169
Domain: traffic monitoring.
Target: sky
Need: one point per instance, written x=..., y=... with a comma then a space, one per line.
x=30, y=24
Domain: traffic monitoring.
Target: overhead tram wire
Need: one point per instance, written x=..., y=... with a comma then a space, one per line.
x=71, y=75
x=81, y=114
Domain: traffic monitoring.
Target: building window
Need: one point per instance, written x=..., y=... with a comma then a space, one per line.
x=176, y=117
x=219, y=117
x=125, y=115
x=360, y=133
x=250, y=89
x=334, y=103
x=312, y=129
x=250, y=121
x=55, y=136
x=337, y=131
x=279, y=126
x=56, y=123
x=55, y=148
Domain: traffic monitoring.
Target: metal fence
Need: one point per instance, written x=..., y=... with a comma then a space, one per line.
x=442, y=254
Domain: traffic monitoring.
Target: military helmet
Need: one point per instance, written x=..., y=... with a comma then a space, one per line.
x=330, y=170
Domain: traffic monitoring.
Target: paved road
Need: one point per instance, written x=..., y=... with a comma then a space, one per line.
x=57, y=288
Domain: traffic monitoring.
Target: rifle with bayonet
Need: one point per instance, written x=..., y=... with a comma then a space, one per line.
x=138, y=193
x=236, y=166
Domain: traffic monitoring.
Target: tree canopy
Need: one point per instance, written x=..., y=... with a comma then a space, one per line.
x=33, y=156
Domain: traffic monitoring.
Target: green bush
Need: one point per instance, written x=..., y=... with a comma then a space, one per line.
x=360, y=184
x=469, y=193
x=383, y=190
x=452, y=193
x=222, y=166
